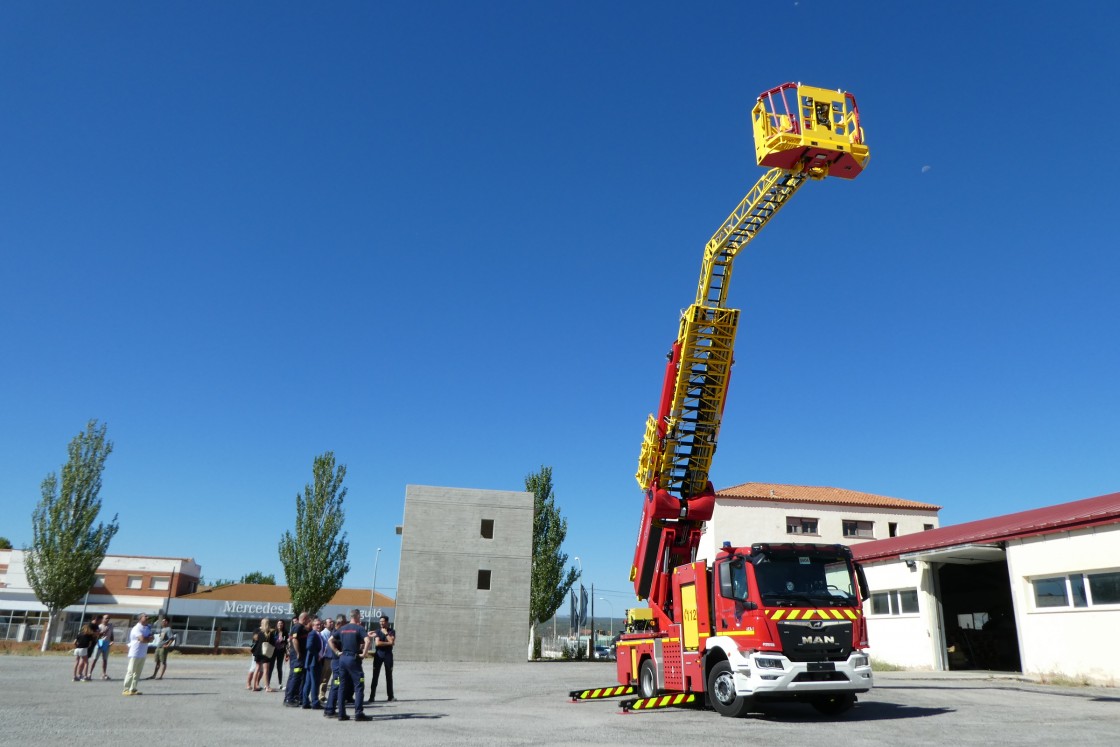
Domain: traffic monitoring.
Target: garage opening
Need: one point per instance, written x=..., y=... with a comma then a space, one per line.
x=979, y=618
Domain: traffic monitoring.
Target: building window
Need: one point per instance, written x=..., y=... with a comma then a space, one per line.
x=895, y=602
x=861, y=529
x=1105, y=587
x=99, y=581
x=800, y=525
x=880, y=603
x=927, y=527
x=135, y=582
x=484, y=580
x=160, y=583
x=892, y=529
x=488, y=529
x=1077, y=590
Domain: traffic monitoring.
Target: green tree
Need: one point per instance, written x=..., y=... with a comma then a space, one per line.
x=66, y=547
x=256, y=577
x=550, y=583
x=216, y=582
x=315, y=558
x=5, y=543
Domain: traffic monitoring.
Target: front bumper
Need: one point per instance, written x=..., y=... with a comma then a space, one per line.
x=773, y=675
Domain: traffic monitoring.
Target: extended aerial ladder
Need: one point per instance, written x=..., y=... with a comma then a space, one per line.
x=802, y=133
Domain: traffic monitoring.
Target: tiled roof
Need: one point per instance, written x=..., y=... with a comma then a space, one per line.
x=281, y=594
x=1088, y=512
x=765, y=491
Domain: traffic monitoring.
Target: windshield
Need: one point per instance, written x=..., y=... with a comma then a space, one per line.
x=805, y=580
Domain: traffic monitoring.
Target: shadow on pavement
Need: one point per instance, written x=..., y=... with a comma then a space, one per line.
x=147, y=694
x=867, y=711
x=1025, y=688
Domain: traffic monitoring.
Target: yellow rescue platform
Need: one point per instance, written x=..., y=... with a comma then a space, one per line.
x=812, y=129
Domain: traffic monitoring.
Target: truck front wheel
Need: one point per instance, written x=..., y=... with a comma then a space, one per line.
x=721, y=692
x=647, y=679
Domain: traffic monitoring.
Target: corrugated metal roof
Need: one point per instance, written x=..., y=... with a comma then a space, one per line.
x=1062, y=517
x=766, y=491
x=281, y=594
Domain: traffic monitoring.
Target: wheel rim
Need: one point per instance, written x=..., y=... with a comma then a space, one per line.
x=647, y=682
x=724, y=689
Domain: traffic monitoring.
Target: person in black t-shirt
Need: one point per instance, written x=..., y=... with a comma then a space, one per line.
x=383, y=640
x=297, y=647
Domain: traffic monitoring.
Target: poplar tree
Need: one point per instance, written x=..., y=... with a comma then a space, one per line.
x=66, y=547
x=315, y=557
x=549, y=584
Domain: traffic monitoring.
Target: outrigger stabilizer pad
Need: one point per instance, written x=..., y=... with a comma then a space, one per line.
x=599, y=693
x=660, y=701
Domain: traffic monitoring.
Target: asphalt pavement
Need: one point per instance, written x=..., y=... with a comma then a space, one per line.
x=203, y=701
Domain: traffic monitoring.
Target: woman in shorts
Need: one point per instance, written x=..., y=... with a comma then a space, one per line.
x=87, y=637
x=264, y=647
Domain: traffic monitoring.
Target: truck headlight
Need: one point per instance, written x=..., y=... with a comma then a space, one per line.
x=767, y=663
x=859, y=660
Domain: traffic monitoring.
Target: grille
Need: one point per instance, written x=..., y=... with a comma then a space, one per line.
x=815, y=640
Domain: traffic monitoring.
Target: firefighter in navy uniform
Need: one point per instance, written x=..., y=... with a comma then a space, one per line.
x=352, y=646
x=336, y=692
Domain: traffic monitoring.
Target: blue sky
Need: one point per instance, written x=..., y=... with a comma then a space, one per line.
x=450, y=242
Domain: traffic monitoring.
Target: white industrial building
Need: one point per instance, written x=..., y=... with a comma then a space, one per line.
x=768, y=512
x=1036, y=591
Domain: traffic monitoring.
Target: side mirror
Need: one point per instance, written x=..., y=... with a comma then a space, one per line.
x=861, y=578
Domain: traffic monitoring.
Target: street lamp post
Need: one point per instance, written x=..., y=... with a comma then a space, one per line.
x=373, y=591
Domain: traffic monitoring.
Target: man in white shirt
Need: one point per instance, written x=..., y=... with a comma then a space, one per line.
x=138, y=639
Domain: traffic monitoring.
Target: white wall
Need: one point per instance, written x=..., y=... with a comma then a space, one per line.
x=1078, y=643
x=904, y=640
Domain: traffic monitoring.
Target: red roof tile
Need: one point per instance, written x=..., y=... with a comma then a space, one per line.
x=765, y=491
x=1062, y=517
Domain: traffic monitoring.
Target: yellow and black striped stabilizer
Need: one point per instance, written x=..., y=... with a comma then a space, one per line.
x=601, y=692
x=661, y=701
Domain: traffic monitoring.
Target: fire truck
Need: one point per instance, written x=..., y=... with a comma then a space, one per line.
x=764, y=620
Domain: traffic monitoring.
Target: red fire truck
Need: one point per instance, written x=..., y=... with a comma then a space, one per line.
x=759, y=620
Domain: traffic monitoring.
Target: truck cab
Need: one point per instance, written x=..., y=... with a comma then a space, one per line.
x=765, y=622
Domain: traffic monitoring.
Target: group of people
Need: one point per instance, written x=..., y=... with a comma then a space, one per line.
x=325, y=662
x=95, y=640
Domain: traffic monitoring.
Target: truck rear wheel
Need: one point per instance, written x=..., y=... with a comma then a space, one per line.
x=834, y=705
x=721, y=692
x=647, y=679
